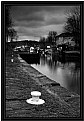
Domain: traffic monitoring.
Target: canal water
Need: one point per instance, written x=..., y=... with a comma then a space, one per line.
x=67, y=74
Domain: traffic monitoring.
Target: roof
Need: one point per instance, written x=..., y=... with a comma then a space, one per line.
x=65, y=35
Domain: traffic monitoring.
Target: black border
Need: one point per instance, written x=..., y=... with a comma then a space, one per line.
x=37, y=3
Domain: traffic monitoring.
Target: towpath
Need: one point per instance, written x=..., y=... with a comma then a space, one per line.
x=21, y=79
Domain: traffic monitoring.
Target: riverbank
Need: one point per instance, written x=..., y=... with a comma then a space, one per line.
x=21, y=79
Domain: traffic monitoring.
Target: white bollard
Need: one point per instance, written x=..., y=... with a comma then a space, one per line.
x=12, y=60
x=35, y=98
x=12, y=55
x=35, y=95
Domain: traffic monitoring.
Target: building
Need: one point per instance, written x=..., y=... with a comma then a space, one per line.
x=65, y=38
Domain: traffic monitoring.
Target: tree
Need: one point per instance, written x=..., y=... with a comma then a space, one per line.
x=8, y=22
x=73, y=24
x=10, y=32
x=42, y=39
x=52, y=37
x=42, y=42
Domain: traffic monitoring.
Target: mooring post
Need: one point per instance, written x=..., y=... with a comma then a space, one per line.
x=35, y=98
x=12, y=58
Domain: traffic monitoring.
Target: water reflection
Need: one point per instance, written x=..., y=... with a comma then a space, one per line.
x=67, y=74
x=31, y=58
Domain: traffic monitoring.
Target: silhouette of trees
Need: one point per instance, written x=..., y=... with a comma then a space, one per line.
x=73, y=24
x=12, y=34
x=10, y=31
x=52, y=37
x=42, y=39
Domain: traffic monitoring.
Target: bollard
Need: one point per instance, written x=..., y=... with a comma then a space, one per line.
x=35, y=98
x=12, y=55
x=12, y=60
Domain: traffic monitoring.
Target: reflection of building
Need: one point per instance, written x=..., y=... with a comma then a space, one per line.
x=65, y=38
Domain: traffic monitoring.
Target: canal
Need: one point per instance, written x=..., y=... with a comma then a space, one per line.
x=67, y=74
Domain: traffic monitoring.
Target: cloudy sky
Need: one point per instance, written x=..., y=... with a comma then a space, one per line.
x=33, y=22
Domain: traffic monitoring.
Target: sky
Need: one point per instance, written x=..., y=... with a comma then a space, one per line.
x=33, y=22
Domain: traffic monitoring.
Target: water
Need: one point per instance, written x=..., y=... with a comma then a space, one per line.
x=67, y=74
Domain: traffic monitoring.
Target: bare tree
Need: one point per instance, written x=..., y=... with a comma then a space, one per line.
x=42, y=39
x=52, y=36
x=8, y=22
x=10, y=32
x=73, y=24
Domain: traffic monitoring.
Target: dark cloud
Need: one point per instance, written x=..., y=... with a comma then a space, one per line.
x=31, y=17
x=22, y=10
x=30, y=24
x=38, y=20
x=35, y=13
